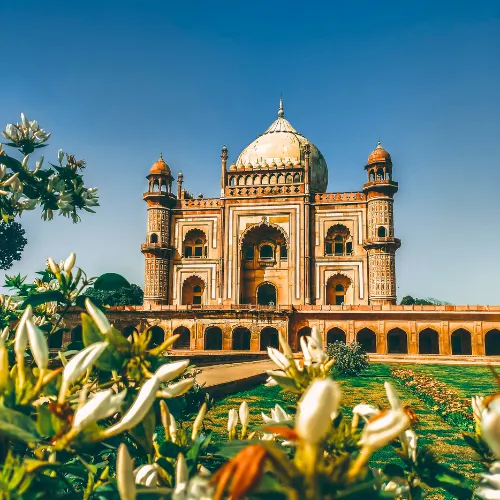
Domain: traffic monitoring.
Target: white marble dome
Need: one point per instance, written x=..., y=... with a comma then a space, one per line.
x=281, y=143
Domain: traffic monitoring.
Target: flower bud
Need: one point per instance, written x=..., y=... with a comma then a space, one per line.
x=34, y=126
x=98, y=316
x=279, y=358
x=177, y=389
x=24, y=121
x=169, y=371
x=198, y=421
x=146, y=475
x=315, y=408
x=54, y=268
x=4, y=366
x=384, y=427
x=69, y=262
x=21, y=338
x=181, y=474
x=125, y=474
x=5, y=334
x=244, y=414
x=102, y=405
x=232, y=422
x=38, y=345
x=11, y=180
x=60, y=155
x=138, y=410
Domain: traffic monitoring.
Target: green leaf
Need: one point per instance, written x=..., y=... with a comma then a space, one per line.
x=110, y=281
x=17, y=426
x=44, y=421
x=37, y=299
x=166, y=465
x=90, y=333
x=169, y=449
x=143, y=433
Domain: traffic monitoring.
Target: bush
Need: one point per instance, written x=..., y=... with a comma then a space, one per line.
x=350, y=359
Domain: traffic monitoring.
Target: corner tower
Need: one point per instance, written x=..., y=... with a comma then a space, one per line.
x=380, y=242
x=157, y=250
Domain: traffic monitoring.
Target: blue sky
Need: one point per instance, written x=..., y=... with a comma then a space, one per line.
x=118, y=82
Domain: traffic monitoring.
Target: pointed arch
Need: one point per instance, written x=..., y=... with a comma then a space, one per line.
x=184, y=341
x=492, y=342
x=213, y=338
x=335, y=335
x=263, y=224
x=428, y=341
x=241, y=339
x=269, y=338
x=397, y=341
x=461, y=342
x=368, y=340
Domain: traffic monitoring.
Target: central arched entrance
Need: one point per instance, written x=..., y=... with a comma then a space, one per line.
x=428, y=341
x=184, y=341
x=397, y=342
x=213, y=338
x=266, y=294
x=461, y=342
x=367, y=339
x=335, y=335
x=269, y=338
x=241, y=339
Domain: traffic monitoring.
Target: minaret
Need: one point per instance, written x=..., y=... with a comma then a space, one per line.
x=380, y=242
x=223, y=158
x=157, y=250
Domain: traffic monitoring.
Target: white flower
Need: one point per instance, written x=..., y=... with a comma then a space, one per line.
x=24, y=121
x=244, y=414
x=53, y=266
x=169, y=371
x=364, y=411
x=125, y=474
x=181, y=474
x=278, y=415
x=146, y=475
x=140, y=407
x=285, y=347
x=177, y=389
x=305, y=352
x=477, y=403
x=79, y=364
x=5, y=334
x=279, y=358
x=198, y=421
x=489, y=489
x=104, y=404
x=232, y=422
x=490, y=426
x=315, y=410
x=392, y=396
x=316, y=351
x=21, y=338
x=172, y=428
x=38, y=344
x=384, y=427
x=409, y=440
x=11, y=180
x=98, y=316
x=69, y=263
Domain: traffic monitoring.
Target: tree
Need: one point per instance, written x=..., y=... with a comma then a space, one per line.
x=13, y=243
x=58, y=189
x=408, y=300
x=131, y=295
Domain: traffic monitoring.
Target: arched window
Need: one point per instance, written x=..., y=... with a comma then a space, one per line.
x=380, y=174
x=281, y=179
x=305, y=331
x=241, y=181
x=184, y=341
x=283, y=252
x=266, y=294
x=157, y=336
x=371, y=176
x=428, y=342
x=128, y=331
x=55, y=340
x=335, y=335
x=492, y=343
x=296, y=179
x=195, y=244
x=76, y=334
x=232, y=181
x=397, y=342
x=265, y=179
x=153, y=238
x=387, y=175
x=381, y=232
x=163, y=187
x=289, y=179
x=156, y=185
x=249, y=180
x=269, y=338
x=266, y=252
x=461, y=342
x=192, y=291
x=241, y=339
x=336, y=288
x=272, y=179
x=256, y=180
x=367, y=339
x=213, y=338
x=338, y=241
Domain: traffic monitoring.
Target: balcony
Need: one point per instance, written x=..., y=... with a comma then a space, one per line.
x=382, y=241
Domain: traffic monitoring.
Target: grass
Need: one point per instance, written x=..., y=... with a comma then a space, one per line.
x=444, y=440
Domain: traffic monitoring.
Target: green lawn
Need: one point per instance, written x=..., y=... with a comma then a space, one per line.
x=444, y=439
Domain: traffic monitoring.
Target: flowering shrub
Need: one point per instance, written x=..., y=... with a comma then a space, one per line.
x=350, y=359
x=439, y=396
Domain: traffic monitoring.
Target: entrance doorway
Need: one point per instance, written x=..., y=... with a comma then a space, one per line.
x=266, y=294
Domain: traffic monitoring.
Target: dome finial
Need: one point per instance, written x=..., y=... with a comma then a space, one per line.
x=281, y=111
x=379, y=145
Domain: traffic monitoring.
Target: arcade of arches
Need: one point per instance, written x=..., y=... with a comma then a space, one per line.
x=199, y=329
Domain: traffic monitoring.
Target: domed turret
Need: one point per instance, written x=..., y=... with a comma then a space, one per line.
x=160, y=167
x=379, y=155
x=282, y=144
